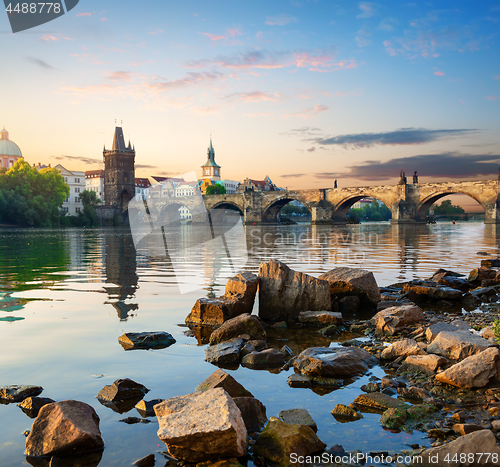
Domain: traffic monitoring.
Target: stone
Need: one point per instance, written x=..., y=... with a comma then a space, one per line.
x=122, y=389
x=17, y=393
x=235, y=327
x=338, y=362
x=253, y=346
x=495, y=424
x=32, y=405
x=414, y=392
x=352, y=281
x=434, y=293
x=299, y=381
x=284, y=293
x=64, y=428
x=221, y=379
x=457, y=344
x=442, y=273
x=480, y=441
x=253, y=412
x=146, y=461
x=465, y=428
x=231, y=462
x=349, y=305
x=298, y=417
x=146, y=408
x=370, y=387
x=481, y=274
x=320, y=318
x=402, y=348
x=87, y=459
x=279, y=440
x=202, y=426
x=146, y=340
x=434, y=329
x=264, y=359
x=394, y=319
x=428, y=363
x=378, y=401
x=238, y=299
x=394, y=418
x=225, y=353
x=475, y=371
x=487, y=333
x=342, y=413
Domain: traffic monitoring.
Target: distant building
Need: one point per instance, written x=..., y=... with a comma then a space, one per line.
x=10, y=152
x=231, y=186
x=258, y=185
x=365, y=202
x=72, y=205
x=94, y=181
x=142, y=188
x=210, y=169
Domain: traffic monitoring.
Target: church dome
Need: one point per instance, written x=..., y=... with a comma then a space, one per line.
x=8, y=147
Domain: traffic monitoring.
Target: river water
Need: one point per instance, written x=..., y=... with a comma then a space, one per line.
x=66, y=295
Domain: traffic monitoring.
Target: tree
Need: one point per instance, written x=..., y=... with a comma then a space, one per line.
x=446, y=208
x=374, y=212
x=90, y=201
x=31, y=197
x=216, y=189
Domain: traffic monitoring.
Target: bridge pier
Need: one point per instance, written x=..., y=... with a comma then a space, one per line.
x=492, y=212
x=322, y=213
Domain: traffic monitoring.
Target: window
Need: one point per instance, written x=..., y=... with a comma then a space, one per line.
x=66, y=179
x=77, y=210
x=65, y=209
x=77, y=189
x=77, y=180
x=66, y=200
x=77, y=199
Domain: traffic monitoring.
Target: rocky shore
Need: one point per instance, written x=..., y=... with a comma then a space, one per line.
x=434, y=338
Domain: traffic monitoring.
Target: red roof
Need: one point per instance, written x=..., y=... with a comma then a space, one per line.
x=94, y=173
x=142, y=182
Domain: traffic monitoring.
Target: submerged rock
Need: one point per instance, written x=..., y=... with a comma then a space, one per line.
x=64, y=428
x=298, y=417
x=32, y=405
x=284, y=293
x=253, y=412
x=221, y=379
x=202, y=426
x=146, y=461
x=146, y=408
x=239, y=326
x=378, y=401
x=320, y=318
x=122, y=389
x=17, y=393
x=146, y=340
x=342, y=413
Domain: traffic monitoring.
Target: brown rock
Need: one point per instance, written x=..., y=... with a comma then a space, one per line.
x=475, y=371
x=432, y=331
x=401, y=348
x=64, y=428
x=121, y=389
x=320, y=318
x=253, y=412
x=343, y=413
x=202, y=426
x=352, y=281
x=394, y=319
x=264, y=359
x=242, y=324
x=147, y=461
x=146, y=340
x=284, y=293
x=253, y=346
x=146, y=408
x=337, y=363
x=464, y=428
x=457, y=344
x=298, y=417
x=482, y=273
x=17, y=393
x=221, y=379
x=435, y=293
x=244, y=287
x=429, y=363
x=34, y=404
x=225, y=353
x=478, y=442
x=378, y=401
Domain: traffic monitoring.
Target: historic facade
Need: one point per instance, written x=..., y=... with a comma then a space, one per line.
x=94, y=181
x=9, y=151
x=210, y=169
x=119, y=172
x=72, y=205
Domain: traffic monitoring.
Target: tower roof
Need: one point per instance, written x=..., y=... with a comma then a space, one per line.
x=8, y=147
x=210, y=157
x=119, y=141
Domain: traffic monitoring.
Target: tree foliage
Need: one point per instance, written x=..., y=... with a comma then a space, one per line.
x=374, y=212
x=90, y=201
x=216, y=189
x=291, y=208
x=446, y=208
x=30, y=197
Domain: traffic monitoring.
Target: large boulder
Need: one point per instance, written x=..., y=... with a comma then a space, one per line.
x=352, y=281
x=457, y=344
x=253, y=412
x=64, y=428
x=477, y=449
x=427, y=363
x=238, y=298
x=221, y=379
x=475, y=371
x=146, y=340
x=235, y=327
x=202, y=426
x=336, y=363
x=434, y=329
x=481, y=274
x=279, y=443
x=402, y=348
x=284, y=293
x=394, y=319
x=122, y=389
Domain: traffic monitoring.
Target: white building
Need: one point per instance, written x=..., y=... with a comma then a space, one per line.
x=230, y=185
x=142, y=188
x=76, y=181
x=94, y=181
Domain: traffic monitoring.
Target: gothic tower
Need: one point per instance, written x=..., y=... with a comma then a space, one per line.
x=210, y=169
x=119, y=172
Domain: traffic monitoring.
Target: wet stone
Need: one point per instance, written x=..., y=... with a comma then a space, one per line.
x=298, y=417
x=299, y=381
x=145, y=408
x=146, y=340
x=17, y=393
x=122, y=389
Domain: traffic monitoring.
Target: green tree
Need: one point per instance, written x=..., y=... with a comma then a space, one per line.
x=446, y=208
x=90, y=201
x=216, y=189
x=373, y=212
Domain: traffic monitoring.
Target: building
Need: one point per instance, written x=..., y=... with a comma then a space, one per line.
x=231, y=186
x=257, y=185
x=9, y=151
x=142, y=188
x=119, y=172
x=72, y=205
x=94, y=181
x=210, y=169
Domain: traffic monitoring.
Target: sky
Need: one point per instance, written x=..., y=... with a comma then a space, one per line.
x=305, y=91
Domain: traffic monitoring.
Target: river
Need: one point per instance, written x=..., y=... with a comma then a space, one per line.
x=66, y=295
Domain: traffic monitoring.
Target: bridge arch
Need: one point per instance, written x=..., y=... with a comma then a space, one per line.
x=342, y=207
x=271, y=210
x=424, y=205
x=226, y=204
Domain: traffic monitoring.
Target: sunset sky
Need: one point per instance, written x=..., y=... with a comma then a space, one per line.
x=304, y=91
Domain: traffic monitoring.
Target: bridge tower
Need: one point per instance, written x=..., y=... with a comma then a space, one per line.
x=119, y=172
x=210, y=169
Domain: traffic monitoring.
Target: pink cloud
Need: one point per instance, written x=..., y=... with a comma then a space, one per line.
x=121, y=76
x=83, y=14
x=439, y=73
x=308, y=113
x=234, y=32
x=254, y=96
x=213, y=37
x=103, y=19
x=189, y=79
x=281, y=20
x=304, y=59
x=492, y=98
x=497, y=77
x=49, y=37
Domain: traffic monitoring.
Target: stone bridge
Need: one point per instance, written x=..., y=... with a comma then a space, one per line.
x=408, y=203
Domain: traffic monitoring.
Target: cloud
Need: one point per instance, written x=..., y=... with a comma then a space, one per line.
x=40, y=63
x=401, y=136
x=281, y=20
x=244, y=61
x=121, y=76
x=103, y=19
x=234, y=32
x=86, y=160
x=156, y=31
x=303, y=131
x=213, y=37
x=367, y=9
x=492, y=98
x=189, y=80
x=362, y=37
x=311, y=149
x=292, y=175
x=445, y=165
x=308, y=113
x=439, y=73
x=83, y=14
x=254, y=96
x=145, y=166
x=497, y=77
x=388, y=24
x=49, y=37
